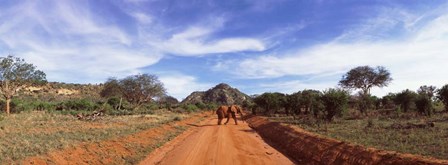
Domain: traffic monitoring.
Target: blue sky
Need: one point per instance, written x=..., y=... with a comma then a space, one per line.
x=254, y=45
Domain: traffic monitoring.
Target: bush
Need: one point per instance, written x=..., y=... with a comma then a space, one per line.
x=424, y=105
x=406, y=99
x=442, y=95
x=190, y=108
x=80, y=104
x=335, y=102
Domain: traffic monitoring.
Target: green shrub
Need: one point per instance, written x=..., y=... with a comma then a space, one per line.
x=79, y=104
x=442, y=95
x=424, y=105
x=406, y=99
x=335, y=102
x=190, y=108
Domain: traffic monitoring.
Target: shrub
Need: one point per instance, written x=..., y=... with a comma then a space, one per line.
x=190, y=107
x=442, y=95
x=424, y=105
x=80, y=104
x=405, y=98
x=335, y=102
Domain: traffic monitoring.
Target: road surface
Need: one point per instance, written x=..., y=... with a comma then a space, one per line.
x=208, y=143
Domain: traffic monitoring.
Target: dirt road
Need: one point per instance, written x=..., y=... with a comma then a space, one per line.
x=208, y=143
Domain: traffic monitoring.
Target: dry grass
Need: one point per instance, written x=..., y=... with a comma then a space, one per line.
x=36, y=133
x=381, y=132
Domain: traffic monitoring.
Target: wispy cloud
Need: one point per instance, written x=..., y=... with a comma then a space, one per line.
x=415, y=59
x=195, y=41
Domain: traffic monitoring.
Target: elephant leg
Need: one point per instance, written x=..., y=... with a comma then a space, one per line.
x=228, y=118
x=220, y=116
x=234, y=118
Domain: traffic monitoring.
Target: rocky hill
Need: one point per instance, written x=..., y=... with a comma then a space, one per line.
x=220, y=94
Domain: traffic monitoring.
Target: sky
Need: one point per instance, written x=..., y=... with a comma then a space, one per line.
x=256, y=46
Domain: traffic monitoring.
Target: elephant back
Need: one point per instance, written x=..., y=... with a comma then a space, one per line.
x=234, y=109
x=222, y=110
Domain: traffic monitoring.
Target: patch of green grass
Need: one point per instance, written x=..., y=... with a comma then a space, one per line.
x=379, y=133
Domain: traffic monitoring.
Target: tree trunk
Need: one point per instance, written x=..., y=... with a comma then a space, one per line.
x=119, y=104
x=8, y=111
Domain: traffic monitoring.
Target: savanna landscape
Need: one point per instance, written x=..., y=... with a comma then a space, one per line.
x=223, y=82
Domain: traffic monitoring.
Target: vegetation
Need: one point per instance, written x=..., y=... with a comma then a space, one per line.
x=366, y=77
x=335, y=102
x=406, y=99
x=401, y=132
x=52, y=131
x=137, y=89
x=442, y=95
x=15, y=73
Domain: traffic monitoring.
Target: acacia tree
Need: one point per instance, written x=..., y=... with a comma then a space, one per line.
x=366, y=77
x=136, y=89
x=15, y=74
x=428, y=91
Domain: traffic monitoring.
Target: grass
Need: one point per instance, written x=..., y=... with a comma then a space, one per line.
x=38, y=132
x=381, y=132
x=143, y=152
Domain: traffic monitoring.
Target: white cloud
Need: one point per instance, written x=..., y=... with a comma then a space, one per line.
x=142, y=18
x=180, y=86
x=418, y=58
x=193, y=42
x=70, y=43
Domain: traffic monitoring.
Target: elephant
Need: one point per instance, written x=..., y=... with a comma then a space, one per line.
x=227, y=111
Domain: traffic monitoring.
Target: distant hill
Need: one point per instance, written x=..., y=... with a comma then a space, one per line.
x=220, y=94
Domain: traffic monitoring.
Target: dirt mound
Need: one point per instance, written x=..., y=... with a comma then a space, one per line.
x=309, y=148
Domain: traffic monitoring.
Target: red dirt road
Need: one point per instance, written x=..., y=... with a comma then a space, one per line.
x=208, y=143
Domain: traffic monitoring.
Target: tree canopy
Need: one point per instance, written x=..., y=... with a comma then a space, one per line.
x=366, y=77
x=136, y=89
x=15, y=74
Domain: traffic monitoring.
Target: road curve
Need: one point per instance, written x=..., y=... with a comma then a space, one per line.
x=208, y=143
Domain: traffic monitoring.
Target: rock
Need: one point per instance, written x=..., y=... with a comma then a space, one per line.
x=220, y=94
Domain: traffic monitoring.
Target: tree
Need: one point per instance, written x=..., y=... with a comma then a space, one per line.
x=113, y=90
x=388, y=101
x=424, y=104
x=15, y=74
x=293, y=103
x=271, y=101
x=428, y=91
x=442, y=95
x=309, y=99
x=405, y=99
x=366, y=77
x=136, y=89
x=334, y=101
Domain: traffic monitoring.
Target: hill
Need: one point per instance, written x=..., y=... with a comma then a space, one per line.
x=220, y=94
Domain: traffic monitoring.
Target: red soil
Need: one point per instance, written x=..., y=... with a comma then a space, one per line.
x=209, y=143
x=309, y=148
x=112, y=151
